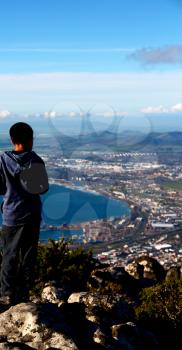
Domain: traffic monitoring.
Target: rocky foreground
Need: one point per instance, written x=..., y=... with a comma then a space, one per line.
x=101, y=317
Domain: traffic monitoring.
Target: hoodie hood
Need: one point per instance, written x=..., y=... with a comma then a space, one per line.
x=15, y=162
x=27, y=169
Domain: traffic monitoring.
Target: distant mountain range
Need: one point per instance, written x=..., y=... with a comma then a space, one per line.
x=126, y=141
x=173, y=138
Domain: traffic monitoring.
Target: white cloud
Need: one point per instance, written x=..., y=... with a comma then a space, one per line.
x=50, y=114
x=161, y=109
x=4, y=114
x=56, y=113
x=177, y=108
x=158, y=109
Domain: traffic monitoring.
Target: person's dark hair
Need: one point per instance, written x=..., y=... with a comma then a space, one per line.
x=21, y=133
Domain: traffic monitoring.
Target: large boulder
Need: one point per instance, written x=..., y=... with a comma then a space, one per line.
x=147, y=268
x=135, y=269
x=90, y=334
x=41, y=326
x=130, y=336
x=106, y=307
x=112, y=280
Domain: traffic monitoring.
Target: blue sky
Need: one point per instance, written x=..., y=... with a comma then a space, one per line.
x=124, y=53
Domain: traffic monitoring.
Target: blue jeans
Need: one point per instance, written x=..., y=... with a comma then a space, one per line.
x=19, y=250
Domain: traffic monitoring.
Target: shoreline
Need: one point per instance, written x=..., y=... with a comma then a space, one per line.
x=72, y=186
x=85, y=189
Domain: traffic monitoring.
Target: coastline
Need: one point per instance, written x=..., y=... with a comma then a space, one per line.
x=86, y=189
x=77, y=226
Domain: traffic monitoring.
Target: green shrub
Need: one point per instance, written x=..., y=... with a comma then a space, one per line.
x=161, y=310
x=68, y=267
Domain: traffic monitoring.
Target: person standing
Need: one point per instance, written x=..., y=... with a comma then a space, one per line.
x=23, y=178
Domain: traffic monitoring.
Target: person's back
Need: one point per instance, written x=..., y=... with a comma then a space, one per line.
x=22, y=179
x=21, y=204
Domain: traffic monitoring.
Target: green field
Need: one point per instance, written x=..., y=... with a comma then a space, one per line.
x=172, y=185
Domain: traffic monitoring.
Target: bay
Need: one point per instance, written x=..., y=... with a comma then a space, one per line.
x=63, y=205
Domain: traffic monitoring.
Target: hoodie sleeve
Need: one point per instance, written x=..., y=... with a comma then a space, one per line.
x=2, y=180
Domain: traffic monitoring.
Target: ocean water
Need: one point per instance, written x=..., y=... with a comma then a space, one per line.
x=65, y=205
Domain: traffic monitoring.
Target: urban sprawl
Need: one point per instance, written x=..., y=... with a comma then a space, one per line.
x=153, y=191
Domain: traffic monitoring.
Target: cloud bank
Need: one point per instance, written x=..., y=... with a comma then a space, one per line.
x=171, y=54
x=161, y=109
x=4, y=114
x=126, y=91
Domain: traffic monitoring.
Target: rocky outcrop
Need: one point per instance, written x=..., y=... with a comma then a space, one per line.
x=86, y=321
x=113, y=280
x=36, y=325
x=110, y=309
x=130, y=336
x=99, y=318
x=146, y=267
x=135, y=269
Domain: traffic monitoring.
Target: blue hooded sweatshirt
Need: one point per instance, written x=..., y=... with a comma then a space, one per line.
x=23, y=178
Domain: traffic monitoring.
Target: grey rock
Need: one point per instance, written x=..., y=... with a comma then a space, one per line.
x=113, y=279
x=53, y=295
x=129, y=334
x=78, y=297
x=40, y=326
x=151, y=268
x=104, y=307
x=135, y=269
x=100, y=337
